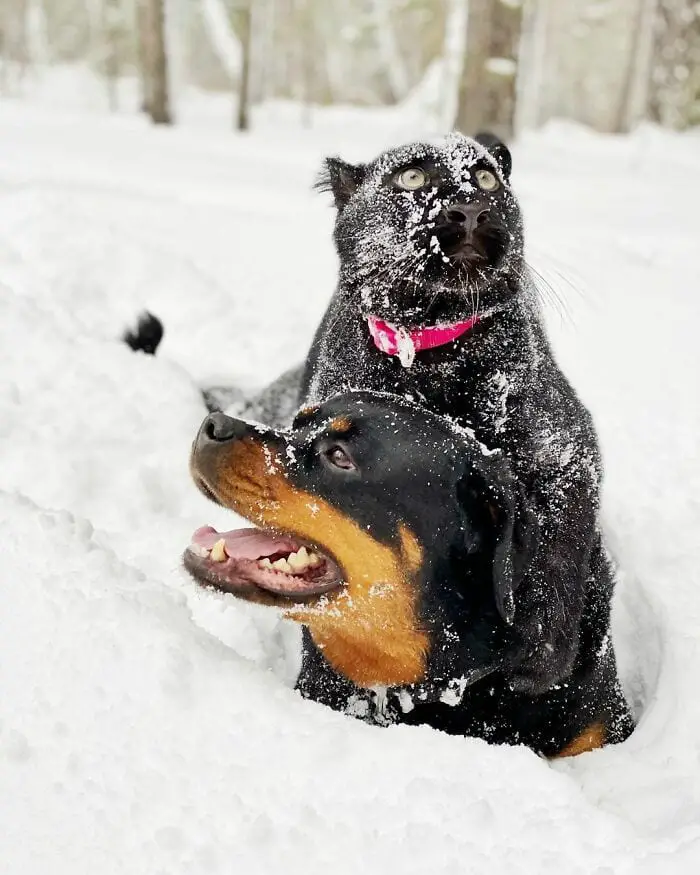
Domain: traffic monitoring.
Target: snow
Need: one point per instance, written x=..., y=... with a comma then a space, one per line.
x=148, y=727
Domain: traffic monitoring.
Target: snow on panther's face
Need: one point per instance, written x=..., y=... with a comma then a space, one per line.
x=424, y=230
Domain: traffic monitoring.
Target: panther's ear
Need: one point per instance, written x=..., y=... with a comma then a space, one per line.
x=499, y=524
x=498, y=149
x=340, y=178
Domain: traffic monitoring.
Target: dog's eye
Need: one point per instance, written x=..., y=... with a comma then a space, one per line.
x=411, y=179
x=486, y=180
x=336, y=456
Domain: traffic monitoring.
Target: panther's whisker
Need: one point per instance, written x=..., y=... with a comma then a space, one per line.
x=547, y=292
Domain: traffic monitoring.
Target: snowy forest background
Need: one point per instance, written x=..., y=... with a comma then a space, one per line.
x=507, y=65
x=148, y=725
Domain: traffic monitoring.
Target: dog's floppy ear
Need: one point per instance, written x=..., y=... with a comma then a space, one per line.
x=340, y=178
x=498, y=523
x=498, y=149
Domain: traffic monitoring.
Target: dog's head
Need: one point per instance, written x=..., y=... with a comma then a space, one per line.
x=424, y=229
x=393, y=536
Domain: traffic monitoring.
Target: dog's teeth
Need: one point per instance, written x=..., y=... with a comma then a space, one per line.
x=282, y=565
x=298, y=561
x=202, y=552
x=218, y=554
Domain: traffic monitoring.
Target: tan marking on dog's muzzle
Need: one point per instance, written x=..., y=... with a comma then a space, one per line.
x=368, y=630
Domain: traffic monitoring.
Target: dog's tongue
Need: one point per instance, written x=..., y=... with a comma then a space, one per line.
x=244, y=543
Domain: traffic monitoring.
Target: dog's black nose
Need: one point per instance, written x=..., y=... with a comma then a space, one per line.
x=219, y=428
x=466, y=216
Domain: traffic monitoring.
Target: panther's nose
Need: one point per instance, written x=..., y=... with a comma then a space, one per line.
x=219, y=428
x=466, y=217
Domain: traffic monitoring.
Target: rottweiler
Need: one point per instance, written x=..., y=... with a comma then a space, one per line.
x=401, y=544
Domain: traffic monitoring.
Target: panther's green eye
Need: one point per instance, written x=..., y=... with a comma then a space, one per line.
x=486, y=180
x=411, y=179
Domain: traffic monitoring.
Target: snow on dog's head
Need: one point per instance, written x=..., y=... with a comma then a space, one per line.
x=425, y=229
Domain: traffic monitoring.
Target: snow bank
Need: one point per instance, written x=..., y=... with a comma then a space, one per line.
x=148, y=727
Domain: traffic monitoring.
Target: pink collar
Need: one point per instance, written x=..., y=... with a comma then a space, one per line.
x=405, y=343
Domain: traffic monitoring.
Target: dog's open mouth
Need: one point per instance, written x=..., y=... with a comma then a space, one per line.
x=243, y=560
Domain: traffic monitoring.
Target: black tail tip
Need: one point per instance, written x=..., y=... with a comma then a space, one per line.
x=147, y=335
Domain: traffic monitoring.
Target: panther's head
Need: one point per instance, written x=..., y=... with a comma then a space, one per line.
x=428, y=231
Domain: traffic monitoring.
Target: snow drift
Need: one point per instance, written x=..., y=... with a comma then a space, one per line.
x=146, y=726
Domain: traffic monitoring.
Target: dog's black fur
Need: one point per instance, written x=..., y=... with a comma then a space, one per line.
x=411, y=470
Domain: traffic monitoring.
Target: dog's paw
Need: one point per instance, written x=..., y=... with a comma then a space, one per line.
x=147, y=334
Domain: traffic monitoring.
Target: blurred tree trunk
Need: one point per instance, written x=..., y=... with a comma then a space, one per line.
x=16, y=44
x=454, y=49
x=532, y=65
x=674, y=99
x=487, y=94
x=141, y=17
x=396, y=72
x=306, y=59
x=112, y=26
x=472, y=106
x=264, y=50
x=154, y=61
x=332, y=61
x=635, y=89
x=37, y=41
x=245, y=31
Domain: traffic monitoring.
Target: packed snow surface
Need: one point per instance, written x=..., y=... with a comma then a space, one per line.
x=148, y=727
